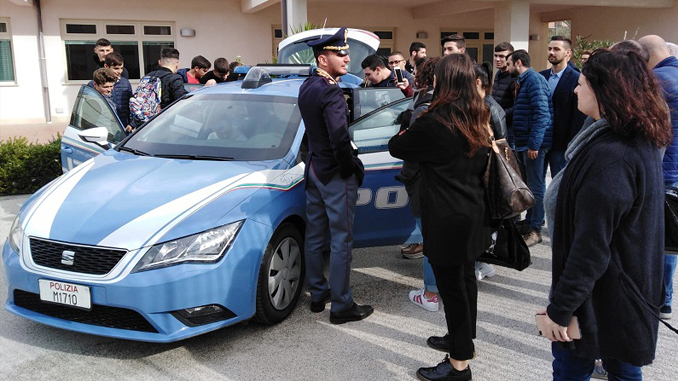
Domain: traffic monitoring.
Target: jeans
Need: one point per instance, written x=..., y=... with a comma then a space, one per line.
x=429, y=278
x=535, y=174
x=569, y=367
x=555, y=160
x=669, y=268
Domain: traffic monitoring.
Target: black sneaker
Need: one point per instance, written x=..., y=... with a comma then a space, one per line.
x=439, y=343
x=320, y=305
x=444, y=372
x=665, y=312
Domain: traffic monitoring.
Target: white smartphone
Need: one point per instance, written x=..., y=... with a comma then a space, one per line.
x=399, y=75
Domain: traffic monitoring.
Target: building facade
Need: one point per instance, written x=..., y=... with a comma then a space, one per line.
x=46, y=46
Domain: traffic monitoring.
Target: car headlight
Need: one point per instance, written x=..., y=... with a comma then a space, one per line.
x=206, y=247
x=16, y=236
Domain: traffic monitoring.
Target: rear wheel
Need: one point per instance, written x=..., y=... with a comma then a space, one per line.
x=281, y=275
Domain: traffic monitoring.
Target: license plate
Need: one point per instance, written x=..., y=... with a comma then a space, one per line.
x=69, y=294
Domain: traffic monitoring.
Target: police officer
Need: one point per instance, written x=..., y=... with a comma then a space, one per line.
x=333, y=175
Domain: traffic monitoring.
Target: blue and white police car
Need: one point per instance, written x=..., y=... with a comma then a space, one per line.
x=196, y=221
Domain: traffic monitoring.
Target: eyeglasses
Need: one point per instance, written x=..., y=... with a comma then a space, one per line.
x=395, y=62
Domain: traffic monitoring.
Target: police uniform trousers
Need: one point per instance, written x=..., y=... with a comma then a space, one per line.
x=330, y=208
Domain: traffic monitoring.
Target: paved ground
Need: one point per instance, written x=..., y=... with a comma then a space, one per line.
x=389, y=345
x=40, y=133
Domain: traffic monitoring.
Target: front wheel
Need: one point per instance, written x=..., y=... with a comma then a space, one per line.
x=281, y=275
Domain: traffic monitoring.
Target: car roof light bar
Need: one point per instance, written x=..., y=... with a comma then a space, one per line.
x=260, y=75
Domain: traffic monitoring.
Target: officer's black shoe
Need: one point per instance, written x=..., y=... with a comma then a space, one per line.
x=444, y=372
x=440, y=343
x=355, y=313
x=320, y=306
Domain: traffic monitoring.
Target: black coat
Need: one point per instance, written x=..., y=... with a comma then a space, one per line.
x=410, y=175
x=610, y=210
x=567, y=119
x=454, y=218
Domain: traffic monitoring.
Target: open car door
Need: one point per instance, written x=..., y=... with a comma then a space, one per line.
x=382, y=215
x=91, y=110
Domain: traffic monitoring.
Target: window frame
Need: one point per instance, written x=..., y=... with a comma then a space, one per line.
x=139, y=37
x=8, y=36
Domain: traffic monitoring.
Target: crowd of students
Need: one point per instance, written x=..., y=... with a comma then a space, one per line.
x=111, y=79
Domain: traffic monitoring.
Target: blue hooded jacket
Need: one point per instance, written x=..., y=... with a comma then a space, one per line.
x=532, y=122
x=667, y=75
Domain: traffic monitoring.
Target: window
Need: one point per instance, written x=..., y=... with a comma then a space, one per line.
x=6, y=54
x=232, y=126
x=387, y=40
x=373, y=133
x=139, y=43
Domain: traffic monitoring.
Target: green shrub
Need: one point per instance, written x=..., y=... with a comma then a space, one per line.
x=25, y=167
x=583, y=44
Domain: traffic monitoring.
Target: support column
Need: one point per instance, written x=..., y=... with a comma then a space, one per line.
x=294, y=15
x=512, y=23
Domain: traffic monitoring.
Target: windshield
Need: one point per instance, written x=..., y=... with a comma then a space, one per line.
x=300, y=53
x=227, y=126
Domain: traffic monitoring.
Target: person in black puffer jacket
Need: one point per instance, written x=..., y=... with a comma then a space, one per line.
x=172, y=83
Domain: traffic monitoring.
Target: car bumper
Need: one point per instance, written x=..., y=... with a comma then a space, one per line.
x=149, y=295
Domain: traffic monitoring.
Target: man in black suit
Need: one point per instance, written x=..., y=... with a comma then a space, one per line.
x=567, y=119
x=333, y=175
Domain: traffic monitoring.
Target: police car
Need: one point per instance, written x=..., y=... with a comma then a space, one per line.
x=196, y=221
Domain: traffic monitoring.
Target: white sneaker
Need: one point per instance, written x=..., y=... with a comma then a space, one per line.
x=484, y=270
x=419, y=298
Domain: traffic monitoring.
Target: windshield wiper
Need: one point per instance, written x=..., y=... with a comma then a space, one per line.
x=195, y=157
x=134, y=151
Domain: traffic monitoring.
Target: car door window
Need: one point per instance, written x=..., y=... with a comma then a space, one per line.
x=372, y=133
x=92, y=110
x=368, y=99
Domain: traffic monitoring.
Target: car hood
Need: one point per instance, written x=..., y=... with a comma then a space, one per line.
x=125, y=201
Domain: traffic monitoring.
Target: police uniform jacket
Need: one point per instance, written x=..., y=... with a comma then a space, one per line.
x=325, y=114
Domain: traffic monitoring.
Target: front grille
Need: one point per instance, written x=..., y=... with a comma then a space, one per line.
x=105, y=316
x=87, y=259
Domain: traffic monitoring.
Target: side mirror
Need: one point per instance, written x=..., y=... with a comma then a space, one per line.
x=96, y=135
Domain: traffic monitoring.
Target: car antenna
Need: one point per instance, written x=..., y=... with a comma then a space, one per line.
x=325, y=23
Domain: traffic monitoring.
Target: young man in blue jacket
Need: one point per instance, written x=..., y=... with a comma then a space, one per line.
x=665, y=67
x=533, y=133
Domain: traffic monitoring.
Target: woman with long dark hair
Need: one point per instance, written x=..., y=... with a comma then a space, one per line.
x=605, y=212
x=450, y=141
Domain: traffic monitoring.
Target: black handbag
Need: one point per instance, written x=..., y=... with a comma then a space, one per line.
x=508, y=248
x=671, y=221
x=507, y=193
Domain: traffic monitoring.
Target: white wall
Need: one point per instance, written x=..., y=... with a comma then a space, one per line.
x=611, y=23
x=22, y=101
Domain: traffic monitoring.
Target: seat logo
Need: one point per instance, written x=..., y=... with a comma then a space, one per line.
x=67, y=257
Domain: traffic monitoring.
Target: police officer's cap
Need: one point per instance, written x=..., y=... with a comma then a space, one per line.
x=336, y=43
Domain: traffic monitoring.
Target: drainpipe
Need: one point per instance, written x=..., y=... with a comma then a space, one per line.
x=283, y=12
x=43, y=65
